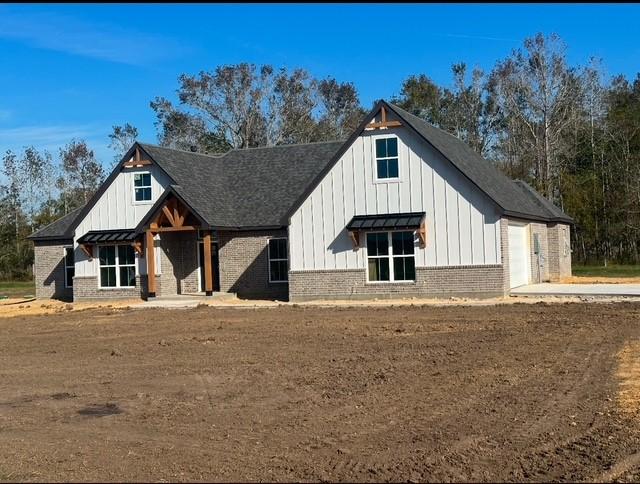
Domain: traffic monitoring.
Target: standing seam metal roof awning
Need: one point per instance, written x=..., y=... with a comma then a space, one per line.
x=106, y=236
x=390, y=221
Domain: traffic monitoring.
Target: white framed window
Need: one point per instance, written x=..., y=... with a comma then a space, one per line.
x=142, y=187
x=278, y=260
x=391, y=256
x=387, y=160
x=117, y=266
x=69, y=266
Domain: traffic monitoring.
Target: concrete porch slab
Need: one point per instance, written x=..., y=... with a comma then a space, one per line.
x=550, y=289
x=185, y=300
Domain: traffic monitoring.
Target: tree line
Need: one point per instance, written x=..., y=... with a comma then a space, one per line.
x=568, y=130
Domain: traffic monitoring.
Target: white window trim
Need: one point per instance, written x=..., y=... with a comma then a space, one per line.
x=278, y=260
x=375, y=159
x=150, y=186
x=64, y=258
x=117, y=266
x=391, y=256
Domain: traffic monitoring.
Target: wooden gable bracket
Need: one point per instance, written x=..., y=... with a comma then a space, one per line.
x=137, y=160
x=384, y=123
x=87, y=249
x=422, y=233
x=137, y=247
x=354, y=235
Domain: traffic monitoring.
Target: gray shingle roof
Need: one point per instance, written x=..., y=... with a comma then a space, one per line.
x=60, y=229
x=501, y=189
x=553, y=212
x=261, y=187
x=253, y=187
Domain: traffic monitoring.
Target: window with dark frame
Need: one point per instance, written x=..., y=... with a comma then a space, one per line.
x=117, y=266
x=387, y=158
x=278, y=260
x=391, y=256
x=142, y=187
x=69, y=266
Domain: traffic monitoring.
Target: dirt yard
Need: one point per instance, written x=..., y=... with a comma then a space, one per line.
x=510, y=392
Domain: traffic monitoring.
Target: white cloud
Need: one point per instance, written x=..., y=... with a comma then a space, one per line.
x=72, y=35
x=40, y=135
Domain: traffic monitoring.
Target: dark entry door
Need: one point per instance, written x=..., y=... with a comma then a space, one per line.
x=214, y=264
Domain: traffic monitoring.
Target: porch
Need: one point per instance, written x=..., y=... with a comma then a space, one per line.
x=180, y=249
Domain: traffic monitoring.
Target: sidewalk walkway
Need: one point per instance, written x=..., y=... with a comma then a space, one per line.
x=549, y=289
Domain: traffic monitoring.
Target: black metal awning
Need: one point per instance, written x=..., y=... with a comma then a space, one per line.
x=392, y=221
x=107, y=236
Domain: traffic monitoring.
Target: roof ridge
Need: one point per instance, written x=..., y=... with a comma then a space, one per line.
x=222, y=155
x=285, y=146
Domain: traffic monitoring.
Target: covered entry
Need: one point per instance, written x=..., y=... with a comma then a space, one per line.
x=519, y=255
x=171, y=216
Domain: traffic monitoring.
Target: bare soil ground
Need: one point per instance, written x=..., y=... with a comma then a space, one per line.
x=509, y=392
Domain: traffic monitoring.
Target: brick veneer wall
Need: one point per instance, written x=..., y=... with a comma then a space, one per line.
x=559, y=251
x=86, y=287
x=244, y=265
x=504, y=254
x=49, y=270
x=178, y=263
x=460, y=281
x=541, y=275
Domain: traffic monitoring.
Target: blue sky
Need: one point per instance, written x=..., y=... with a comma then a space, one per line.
x=75, y=70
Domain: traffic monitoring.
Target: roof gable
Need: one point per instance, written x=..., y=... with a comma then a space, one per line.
x=263, y=187
x=249, y=188
x=503, y=191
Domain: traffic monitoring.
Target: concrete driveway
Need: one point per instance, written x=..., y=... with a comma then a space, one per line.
x=549, y=289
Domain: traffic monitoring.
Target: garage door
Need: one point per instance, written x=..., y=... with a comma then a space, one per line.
x=519, y=265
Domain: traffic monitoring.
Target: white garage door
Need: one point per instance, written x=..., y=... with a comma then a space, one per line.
x=519, y=265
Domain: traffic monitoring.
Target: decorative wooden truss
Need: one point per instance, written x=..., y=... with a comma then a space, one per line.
x=384, y=123
x=171, y=218
x=137, y=160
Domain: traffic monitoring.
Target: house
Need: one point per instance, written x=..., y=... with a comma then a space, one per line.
x=400, y=208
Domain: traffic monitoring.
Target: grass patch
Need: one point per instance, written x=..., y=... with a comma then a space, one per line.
x=17, y=288
x=609, y=271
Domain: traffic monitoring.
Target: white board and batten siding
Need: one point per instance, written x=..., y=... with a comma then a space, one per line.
x=117, y=209
x=463, y=224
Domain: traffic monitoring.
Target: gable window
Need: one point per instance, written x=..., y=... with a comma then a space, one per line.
x=391, y=256
x=278, y=261
x=69, y=267
x=387, y=158
x=117, y=266
x=142, y=187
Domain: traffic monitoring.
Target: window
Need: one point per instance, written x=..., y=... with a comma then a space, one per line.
x=117, y=266
x=387, y=158
x=278, y=266
x=391, y=256
x=69, y=267
x=142, y=187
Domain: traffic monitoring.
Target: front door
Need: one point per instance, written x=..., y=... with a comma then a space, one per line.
x=214, y=265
